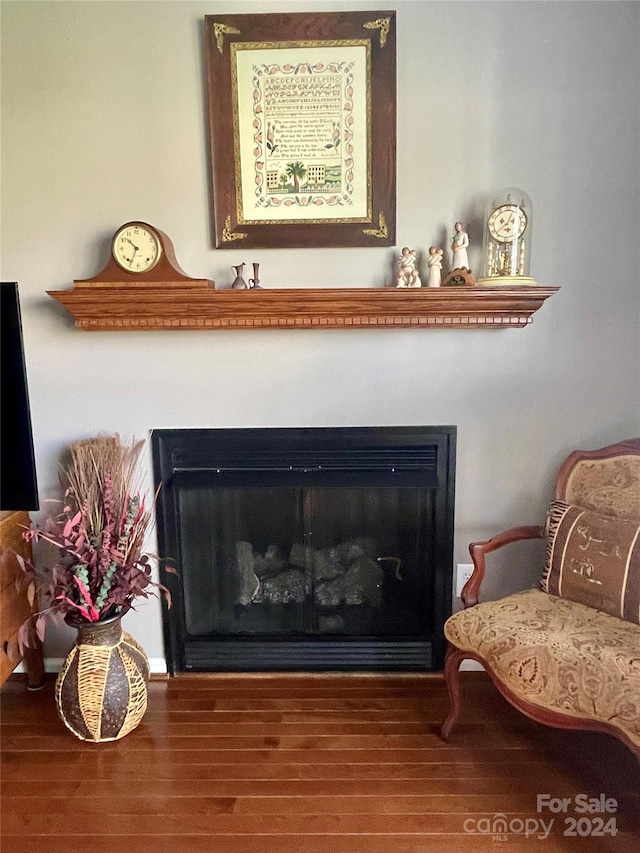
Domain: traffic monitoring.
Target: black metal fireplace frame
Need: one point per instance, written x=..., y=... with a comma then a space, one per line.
x=414, y=454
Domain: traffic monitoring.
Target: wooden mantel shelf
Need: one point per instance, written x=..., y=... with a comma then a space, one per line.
x=120, y=307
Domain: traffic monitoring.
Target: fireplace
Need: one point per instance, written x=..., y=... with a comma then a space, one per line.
x=306, y=549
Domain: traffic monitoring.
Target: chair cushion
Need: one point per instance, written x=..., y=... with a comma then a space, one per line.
x=594, y=559
x=557, y=654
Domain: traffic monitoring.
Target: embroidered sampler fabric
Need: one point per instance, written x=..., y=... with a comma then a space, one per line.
x=558, y=654
x=594, y=559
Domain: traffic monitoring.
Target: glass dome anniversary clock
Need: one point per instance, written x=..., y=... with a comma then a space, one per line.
x=507, y=239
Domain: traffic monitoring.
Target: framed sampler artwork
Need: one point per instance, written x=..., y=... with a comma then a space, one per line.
x=302, y=128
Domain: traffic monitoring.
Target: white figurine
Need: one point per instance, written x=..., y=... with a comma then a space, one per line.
x=459, y=245
x=414, y=279
x=434, y=262
x=406, y=265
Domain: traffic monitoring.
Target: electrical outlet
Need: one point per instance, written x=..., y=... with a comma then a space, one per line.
x=464, y=572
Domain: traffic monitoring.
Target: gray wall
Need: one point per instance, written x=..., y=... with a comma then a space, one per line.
x=103, y=111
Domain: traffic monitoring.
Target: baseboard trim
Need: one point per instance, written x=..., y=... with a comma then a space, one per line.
x=157, y=666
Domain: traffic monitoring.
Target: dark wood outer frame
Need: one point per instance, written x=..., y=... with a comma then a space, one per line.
x=470, y=596
x=377, y=27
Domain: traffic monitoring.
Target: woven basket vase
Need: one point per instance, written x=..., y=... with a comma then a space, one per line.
x=101, y=691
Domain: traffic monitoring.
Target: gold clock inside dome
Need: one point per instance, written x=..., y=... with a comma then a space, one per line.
x=136, y=247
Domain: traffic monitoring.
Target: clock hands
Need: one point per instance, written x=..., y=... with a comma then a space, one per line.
x=505, y=227
x=135, y=250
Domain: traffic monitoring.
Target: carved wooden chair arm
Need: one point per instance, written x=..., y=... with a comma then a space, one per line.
x=479, y=550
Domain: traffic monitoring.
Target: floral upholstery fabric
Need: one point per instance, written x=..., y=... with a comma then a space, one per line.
x=608, y=486
x=557, y=654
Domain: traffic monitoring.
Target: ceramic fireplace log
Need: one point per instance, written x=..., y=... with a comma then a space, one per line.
x=310, y=572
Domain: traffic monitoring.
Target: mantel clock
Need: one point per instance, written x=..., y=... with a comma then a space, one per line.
x=141, y=256
x=508, y=226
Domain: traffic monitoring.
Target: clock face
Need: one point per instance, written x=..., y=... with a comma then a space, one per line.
x=136, y=247
x=507, y=223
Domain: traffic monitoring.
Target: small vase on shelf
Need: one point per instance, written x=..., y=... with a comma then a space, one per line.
x=255, y=281
x=239, y=283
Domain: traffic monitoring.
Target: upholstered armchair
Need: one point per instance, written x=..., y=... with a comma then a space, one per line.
x=566, y=654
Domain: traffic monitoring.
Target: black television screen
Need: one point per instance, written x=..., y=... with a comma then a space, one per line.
x=18, y=486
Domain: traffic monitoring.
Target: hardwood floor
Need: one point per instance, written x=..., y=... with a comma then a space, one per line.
x=305, y=764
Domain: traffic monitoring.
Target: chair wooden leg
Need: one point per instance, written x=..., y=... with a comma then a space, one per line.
x=34, y=667
x=452, y=661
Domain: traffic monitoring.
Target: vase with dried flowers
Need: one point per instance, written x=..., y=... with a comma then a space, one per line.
x=101, y=691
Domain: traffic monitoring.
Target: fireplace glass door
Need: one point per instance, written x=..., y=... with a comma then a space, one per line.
x=309, y=561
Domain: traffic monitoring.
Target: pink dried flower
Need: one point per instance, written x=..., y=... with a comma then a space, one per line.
x=101, y=567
